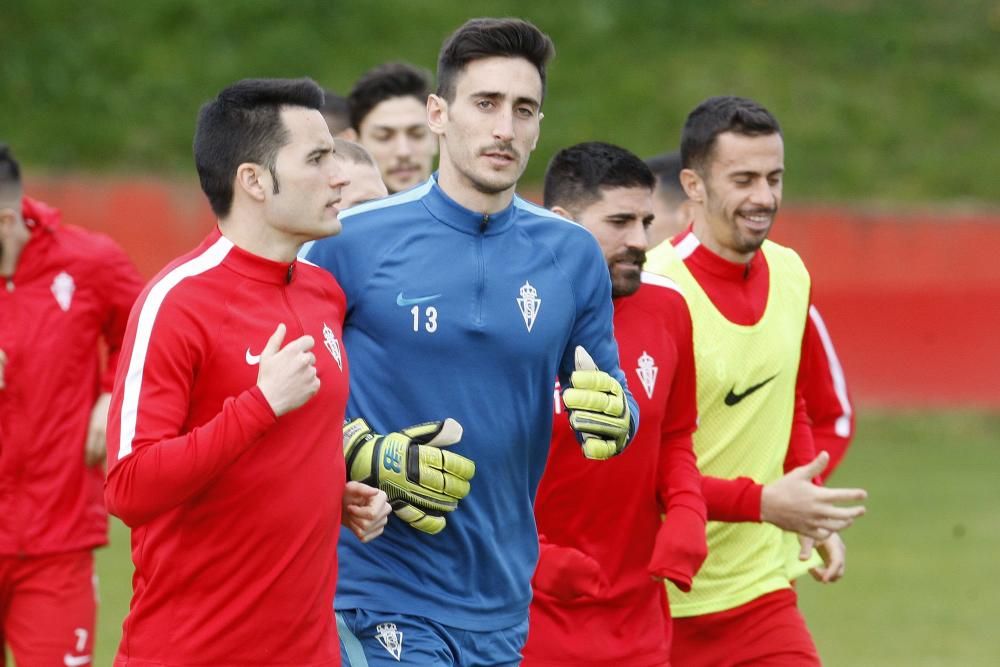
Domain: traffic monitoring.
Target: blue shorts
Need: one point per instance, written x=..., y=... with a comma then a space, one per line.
x=379, y=639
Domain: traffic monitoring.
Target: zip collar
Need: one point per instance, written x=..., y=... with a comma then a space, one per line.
x=257, y=267
x=453, y=214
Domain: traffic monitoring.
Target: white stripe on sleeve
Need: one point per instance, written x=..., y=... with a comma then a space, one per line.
x=211, y=258
x=842, y=427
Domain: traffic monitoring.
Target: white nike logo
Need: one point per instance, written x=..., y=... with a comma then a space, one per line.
x=252, y=359
x=76, y=660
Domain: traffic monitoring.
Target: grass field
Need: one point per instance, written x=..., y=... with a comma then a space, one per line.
x=882, y=101
x=917, y=591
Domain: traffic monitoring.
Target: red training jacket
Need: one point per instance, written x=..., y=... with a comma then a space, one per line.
x=71, y=288
x=595, y=603
x=235, y=513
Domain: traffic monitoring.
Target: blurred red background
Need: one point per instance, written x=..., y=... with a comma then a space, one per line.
x=911, y=300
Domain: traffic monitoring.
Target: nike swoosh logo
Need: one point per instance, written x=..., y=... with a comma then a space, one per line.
x=732, y=398
x=403, y=301
x=75, y=660
x=252, y=359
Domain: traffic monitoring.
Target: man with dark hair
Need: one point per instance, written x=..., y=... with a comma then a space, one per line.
x=63, y=290
x=824, y=386
x=473, y=301
x=749, y=302
x=225, y=454
x=387, y=112
x=595, y=602
x=671, y=207
x=364, y=179
x=337, y=113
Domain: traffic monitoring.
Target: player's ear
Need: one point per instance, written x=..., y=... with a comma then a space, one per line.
x=559, y=210
x=534, y=144
x=437, y=113
x=693, y=185
x=253, y=179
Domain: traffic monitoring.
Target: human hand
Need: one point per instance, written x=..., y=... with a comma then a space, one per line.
x=597, y=408
x=365, y=510
x=3, y=363
x=96, y=446
x=832, y=550
x=422, y=480
x=794, y=503
x=287, y=375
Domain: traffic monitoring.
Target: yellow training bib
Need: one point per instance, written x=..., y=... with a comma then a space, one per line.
x=746, y=379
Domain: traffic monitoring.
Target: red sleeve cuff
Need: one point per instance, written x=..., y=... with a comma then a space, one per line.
x=258, y=408
x=732, y=500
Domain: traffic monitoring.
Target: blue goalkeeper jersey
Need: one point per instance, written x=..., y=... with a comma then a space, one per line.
x=453, y=313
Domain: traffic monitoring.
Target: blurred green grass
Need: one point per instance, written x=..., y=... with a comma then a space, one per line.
x=881, y=100
x=917, y=591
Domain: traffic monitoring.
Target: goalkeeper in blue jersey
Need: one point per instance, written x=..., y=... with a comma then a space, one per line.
x=465, y=301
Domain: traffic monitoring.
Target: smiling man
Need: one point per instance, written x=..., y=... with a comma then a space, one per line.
x=749, y=300
x=225, y=455
x=466, y=301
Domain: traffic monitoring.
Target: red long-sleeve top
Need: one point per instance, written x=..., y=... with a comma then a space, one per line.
x=234, y=513
x=823, y=415
x=71, y=289
x=609, y=512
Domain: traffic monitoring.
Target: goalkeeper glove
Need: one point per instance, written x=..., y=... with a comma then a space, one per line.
x=597, y=408
x=422, y=481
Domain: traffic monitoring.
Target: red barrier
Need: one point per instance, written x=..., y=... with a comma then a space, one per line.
x=912, y=300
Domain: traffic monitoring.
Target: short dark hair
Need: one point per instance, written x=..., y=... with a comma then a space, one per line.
x=243, y=124
x=667, y=169
x=353, y=151
x=336, y=110
x=488, y=37
x=717, y=115
x=10, y=170
x=575, y=175
x=384, y=82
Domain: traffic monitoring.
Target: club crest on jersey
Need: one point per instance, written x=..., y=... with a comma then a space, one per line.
x=647, y=371
x=333, y=345
x=529, y=303
x=390, y=639
x=62, y=289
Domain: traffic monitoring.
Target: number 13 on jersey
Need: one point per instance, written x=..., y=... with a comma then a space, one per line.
x=427, y=319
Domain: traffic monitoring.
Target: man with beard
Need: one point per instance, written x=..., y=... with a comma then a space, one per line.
x=824, y=386
x=388, y=114
x=749, y=300
x=465, y=300
x=595, y=603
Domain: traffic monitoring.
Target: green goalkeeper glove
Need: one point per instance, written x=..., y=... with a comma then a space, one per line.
x=423, y=482
x=597, y=408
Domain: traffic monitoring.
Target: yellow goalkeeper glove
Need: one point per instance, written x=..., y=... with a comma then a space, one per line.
x=423, y=482
x=597, y=408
